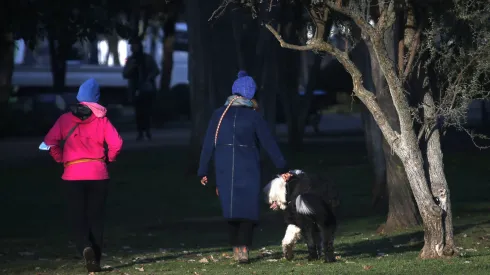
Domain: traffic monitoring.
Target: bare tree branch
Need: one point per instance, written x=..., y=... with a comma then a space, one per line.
x=368, y=98
x=413, y=51
x=360, y=22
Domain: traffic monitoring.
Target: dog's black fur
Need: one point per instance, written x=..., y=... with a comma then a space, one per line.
x=318, y=228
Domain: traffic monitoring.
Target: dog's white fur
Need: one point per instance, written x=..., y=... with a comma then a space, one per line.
x=293, y=234
x=302, y=207
x=276, y=192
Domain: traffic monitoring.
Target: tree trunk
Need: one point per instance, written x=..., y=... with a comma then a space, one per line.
x=168, y=52
x=402, y=211
x=212, y=68
x=374, y=144
x=7, y=45
x=58, y=50
x=94, y=52
x=372, y=134
x=439, y=186
x=289, y=65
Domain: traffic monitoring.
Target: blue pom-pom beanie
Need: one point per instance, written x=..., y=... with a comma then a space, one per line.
x=244, y=85
x=89, y=91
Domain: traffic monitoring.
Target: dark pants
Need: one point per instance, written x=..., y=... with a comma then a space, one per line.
x=86, y=212
x=143, y=110
x=241, y=232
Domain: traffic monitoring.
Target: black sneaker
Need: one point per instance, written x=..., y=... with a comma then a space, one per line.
x=90, y=262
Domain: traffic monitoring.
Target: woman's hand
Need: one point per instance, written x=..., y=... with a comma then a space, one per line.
x=204, y=180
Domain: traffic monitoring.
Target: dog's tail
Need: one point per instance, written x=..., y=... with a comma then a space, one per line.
x=305, y=205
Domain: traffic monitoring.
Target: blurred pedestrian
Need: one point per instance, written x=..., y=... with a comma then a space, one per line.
x=141, y=71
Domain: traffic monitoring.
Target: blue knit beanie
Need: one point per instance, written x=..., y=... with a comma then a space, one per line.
x=244, y=85
x=89, y=91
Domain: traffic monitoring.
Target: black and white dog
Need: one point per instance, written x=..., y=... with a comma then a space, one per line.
x=309, y=203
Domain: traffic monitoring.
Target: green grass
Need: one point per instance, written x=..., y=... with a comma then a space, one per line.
x=151, y=230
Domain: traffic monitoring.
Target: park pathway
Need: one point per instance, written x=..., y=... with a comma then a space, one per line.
x=332, y=125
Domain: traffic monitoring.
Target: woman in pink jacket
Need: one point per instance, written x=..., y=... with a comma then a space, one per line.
x=77, y=141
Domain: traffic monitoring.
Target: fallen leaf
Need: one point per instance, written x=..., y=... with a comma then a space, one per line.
x=337, y=257
x=227, y=256
x=195, y=273
x=140, y=269
x=203, y=260
x=367, y=267
x=212, y=258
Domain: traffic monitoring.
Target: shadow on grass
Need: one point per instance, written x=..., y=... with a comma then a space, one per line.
x=396, y=244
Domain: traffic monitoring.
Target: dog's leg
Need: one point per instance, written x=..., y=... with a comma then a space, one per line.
x=311, y=240
x=293, y=234
x=318, y=241
x=328, y=232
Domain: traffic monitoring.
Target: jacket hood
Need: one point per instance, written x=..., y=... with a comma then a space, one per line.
x=82, y=113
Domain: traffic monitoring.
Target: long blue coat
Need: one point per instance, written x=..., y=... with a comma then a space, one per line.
x=237, y=159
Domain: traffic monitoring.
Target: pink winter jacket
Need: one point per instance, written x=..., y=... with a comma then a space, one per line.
x=86, y=141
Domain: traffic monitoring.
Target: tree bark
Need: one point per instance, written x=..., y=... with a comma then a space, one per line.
x=7, y=45
x=439, y=186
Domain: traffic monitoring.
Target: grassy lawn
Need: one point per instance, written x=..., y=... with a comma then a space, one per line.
x=151, y=227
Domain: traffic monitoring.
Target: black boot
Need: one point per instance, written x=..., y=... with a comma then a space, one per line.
x=91, y=262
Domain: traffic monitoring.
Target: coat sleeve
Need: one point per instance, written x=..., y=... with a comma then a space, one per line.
x=113, y=140
x=53, y=139
x=207, y=148
x=269, y=144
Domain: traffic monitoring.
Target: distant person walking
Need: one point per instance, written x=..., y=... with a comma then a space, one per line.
x=233, y=137
x=141, y=70
x=77, y=141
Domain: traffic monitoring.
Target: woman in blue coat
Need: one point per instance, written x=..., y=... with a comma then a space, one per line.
x=233, y=137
